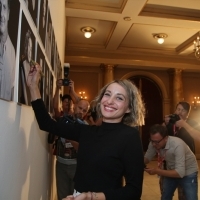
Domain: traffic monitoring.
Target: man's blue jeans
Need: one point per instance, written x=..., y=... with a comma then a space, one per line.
x=189, y=184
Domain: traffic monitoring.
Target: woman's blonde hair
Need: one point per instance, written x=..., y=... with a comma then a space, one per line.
x=137, y=111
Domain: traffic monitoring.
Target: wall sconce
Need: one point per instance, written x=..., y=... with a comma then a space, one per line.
x=83, y=95
x=88, y=31
x=160, y=37
x=196, y=103
x=197, y=47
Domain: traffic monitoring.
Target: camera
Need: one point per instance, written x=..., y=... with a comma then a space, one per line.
x=65, y=81
x=174, y=118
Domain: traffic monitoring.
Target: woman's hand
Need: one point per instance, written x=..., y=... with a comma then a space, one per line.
x=33, y=79
x=82, y=196
x=34, y=75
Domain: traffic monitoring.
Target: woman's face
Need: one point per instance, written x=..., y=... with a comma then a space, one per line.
x=29, y=53
x=114, y=103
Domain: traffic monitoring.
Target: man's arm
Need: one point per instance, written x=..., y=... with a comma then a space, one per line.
x=192, y=131
x=72, y=93
x=161, y=172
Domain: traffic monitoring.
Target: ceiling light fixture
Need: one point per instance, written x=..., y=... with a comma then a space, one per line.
x=197, y=47
x=88, y=31
x=127, y=18
x=160, y=37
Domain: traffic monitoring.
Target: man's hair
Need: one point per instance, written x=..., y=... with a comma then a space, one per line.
x=66, y=96
x=157, y=128
x=185, y=105
x=137, y=110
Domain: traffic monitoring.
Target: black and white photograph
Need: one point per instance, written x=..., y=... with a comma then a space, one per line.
x=32, y=6
x=51, y=93
x=40, y=59
x=47, y=87
x=48, y=36
x=43, y=20
x=53, y=50
x=27, y=57
x=59, y=68
x=9, y=17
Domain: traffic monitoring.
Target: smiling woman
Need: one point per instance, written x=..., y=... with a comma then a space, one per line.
x=107, y=152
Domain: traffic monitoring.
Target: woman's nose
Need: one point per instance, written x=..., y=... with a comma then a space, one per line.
x=110, y=100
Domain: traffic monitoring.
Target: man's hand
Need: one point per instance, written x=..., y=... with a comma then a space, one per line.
x=151, y=171
x=180, y=123
x=71, y=85
x=166, y=119
x=59, y=83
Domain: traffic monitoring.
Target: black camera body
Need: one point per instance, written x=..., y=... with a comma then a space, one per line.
x=65, y=81
x=174, y=118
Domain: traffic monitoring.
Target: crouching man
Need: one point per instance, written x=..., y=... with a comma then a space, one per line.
x=177, y=165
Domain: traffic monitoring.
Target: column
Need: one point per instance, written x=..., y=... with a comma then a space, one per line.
x=176, y=87
x=108, y=73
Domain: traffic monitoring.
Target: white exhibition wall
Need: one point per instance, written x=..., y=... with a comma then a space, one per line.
x=25, y=171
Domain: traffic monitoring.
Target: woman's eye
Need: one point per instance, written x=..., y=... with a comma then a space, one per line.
x=120, y=98
x=106, y=94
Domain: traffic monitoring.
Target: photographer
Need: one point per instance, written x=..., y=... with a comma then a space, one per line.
x=181, y=126
x=66, y=150
x=177, y=165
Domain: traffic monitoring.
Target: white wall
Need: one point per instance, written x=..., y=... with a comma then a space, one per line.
x=25, y=170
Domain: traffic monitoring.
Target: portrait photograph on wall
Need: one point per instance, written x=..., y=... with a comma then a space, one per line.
x=47, y=87
x=53, y=50
x=40, y=59
x=58, y=67
x=9, y=17
x=32, y=6
x=43, y=20
x=26, y=64
x=48, y=36
x=51, y=93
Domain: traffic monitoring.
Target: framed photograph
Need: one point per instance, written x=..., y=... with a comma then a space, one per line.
x=43, y=20
x=48, y=36
x=8, y=30
x=27, y=54
x=40, y=59
x=47, y=87
x=53, y=51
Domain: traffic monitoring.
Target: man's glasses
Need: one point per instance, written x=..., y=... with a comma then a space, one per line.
x=156, y=142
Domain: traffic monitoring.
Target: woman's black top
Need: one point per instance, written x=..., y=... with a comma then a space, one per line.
x=106, y=154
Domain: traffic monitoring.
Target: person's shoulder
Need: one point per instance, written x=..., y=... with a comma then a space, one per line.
x=130, y=130
x=176, y=140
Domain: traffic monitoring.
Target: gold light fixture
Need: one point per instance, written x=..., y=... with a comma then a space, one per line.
x=197, y=47
x=196, y=103
x=83, y=95
x=88, y=31
x=160, y=37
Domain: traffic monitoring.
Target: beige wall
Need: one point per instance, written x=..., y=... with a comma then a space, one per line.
x=25, y=172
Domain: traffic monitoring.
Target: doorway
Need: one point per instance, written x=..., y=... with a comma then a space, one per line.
x=152, y=98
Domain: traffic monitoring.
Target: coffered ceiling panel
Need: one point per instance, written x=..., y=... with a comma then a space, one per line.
x=103, y=31
x=103, y=5
x=124, y=33
x=141, y=36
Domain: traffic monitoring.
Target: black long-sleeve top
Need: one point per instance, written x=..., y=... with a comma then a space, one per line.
x=106, y=154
